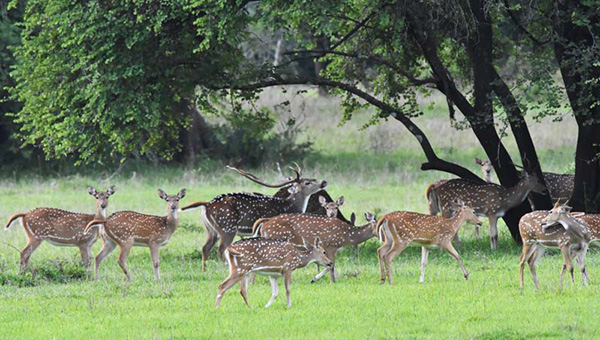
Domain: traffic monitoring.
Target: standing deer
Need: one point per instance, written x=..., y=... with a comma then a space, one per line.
x=233, y=214
x=61, y=228
x=270, y=257
x=333, y=232
x=128, y=228
x=538, y=233
x=402, y=229
x=487, y=199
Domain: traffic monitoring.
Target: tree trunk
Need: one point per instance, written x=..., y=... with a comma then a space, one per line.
x=583, y=92
x=198, y=137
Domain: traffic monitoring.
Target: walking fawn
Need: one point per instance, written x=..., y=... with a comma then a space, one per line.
x=487, y=199
x=233, y=214
x=270, y=257
x=61, y=228
x=539, y=232
x=127, y=229
x=333, y=232
x=399, y=230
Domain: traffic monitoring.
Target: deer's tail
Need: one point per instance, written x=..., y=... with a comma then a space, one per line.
x=92, y=224
x=194, y=205
x=13, y=218
x=257, y=225
x=382, y=223
x=432, y=199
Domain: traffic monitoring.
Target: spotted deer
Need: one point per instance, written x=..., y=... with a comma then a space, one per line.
x=402, y=229
x=128, y=228
x=487, y=199
x=539, y=231
x=234, y=214
x=61, y=228
x=331, y=208
x=269, y=257
x=333, y=232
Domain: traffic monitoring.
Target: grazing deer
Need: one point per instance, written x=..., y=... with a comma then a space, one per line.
x=233, y=214
x=487, y=199
x=128, y=228
x=333, y=232
x=270, y=257
x=486, y=169
x=331, y=208
x=61, y=228
x=402, y=229
x=538, y=233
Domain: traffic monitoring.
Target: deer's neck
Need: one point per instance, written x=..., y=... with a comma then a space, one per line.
x=172, y=219
x=361, y=234
x=304, y=259
x=298, y=203
x=515, y=195
x=457, y=221
x=100, y=214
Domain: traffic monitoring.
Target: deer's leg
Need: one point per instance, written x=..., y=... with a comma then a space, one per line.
x=330, y=255
x=244, y=289
x=567, y=264
x=456, y=239
x=384, y=249
x=226, y=240
x=287, y=281
x=31, y=246
x=274, y=291
x=107, y=247
x=396, y=249
x=155, y=260
x=493, y=232
x=581, y=260
x=85, y=249
x=211, y=239
x=424, y=259
x=228, y=283
x=525, y=254
x=125, y=249
x=450, y=249
x=535, y=256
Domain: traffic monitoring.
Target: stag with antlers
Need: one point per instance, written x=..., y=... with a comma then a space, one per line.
x=234, y=214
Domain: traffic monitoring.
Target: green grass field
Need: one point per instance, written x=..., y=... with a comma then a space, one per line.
x=376, y=170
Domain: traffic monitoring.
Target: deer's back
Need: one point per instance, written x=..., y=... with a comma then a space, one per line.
x=124, y=226
x=410, y=225
x=593, y=222
x=295, y=227
x=264, y=255
x=57, y=225
x=483, y=197
x=560, y=185
x=530, y=227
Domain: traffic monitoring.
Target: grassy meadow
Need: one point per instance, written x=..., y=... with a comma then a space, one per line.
x=376, y=169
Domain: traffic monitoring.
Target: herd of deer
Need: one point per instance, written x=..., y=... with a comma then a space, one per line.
x=301, y=224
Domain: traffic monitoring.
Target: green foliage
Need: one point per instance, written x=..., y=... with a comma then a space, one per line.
x=104, y=79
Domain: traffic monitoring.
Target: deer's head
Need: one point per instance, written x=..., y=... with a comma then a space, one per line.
x=172, y=200
x=486, y=168
x=316, y=252
x=101, y=197
x=533, y=183
x=469, y=213
x=558, y=213
x=331, y=208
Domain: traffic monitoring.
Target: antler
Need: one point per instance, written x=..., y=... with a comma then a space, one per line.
x=255, y=179
x=297, y=170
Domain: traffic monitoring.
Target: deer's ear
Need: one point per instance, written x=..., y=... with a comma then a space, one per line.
x=353, y=218
x=162, y=194
x=317, y=242
x=92, y=191
x=340, y=201
x=293, y=189
x=111, y=190
x=322, y=201
x=478, y=161
x=181, y=194
x=369, y=217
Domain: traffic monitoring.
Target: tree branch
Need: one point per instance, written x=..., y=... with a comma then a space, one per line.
x=522, y=28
